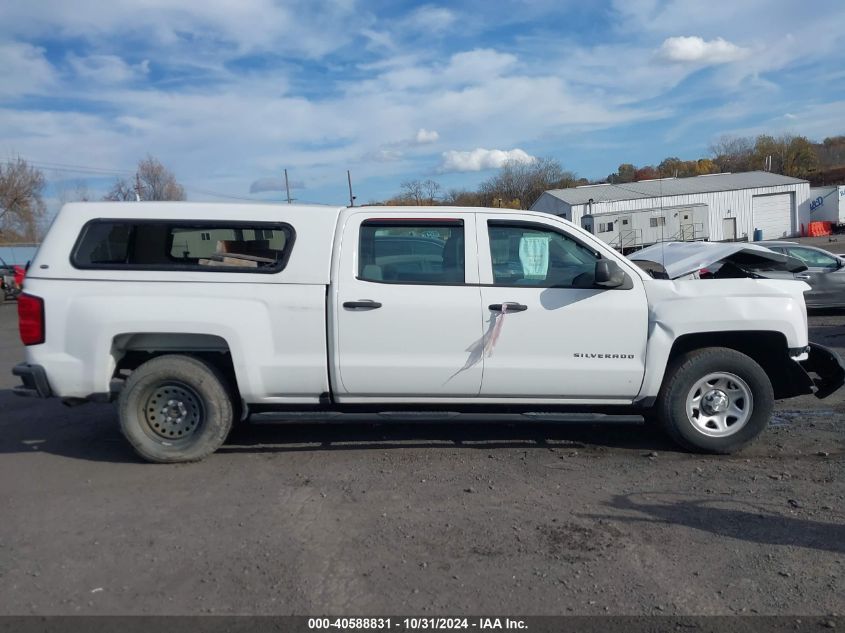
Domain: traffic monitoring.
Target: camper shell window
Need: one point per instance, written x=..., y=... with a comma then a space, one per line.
x=255, y=247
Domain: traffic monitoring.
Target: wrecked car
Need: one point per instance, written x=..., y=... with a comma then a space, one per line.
x=716, y=260
x=823, y=272
x=192, y=316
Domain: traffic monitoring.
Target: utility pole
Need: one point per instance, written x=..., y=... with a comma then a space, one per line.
x=137, y=187
x=351, y=197
x=287, y=185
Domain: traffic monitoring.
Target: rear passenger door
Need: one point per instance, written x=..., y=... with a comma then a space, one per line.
x=407, y=307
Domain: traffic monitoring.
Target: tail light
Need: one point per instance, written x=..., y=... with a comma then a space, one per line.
x=31, y=319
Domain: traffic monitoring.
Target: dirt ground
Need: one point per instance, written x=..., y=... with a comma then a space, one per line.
x=445, y=519
x=832, y=243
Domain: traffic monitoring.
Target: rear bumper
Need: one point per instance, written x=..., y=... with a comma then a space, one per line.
x=33, y=379
x=825, y=369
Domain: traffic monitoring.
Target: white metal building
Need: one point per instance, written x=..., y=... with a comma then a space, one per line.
x=714, y=207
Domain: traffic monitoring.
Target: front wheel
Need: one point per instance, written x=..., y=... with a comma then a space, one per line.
x=715, y=400
x=175, y=408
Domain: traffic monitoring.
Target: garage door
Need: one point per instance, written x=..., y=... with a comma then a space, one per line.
x=774, y=215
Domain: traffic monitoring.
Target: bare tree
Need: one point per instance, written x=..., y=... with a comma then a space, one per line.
x=21, y=203
x=463, y=198
x=733, y=153
x=411, y=191
x=78, y=192
x=519, y=184
x=155, y=180
x=419, y=192
x=431, y=191
x=122, y=191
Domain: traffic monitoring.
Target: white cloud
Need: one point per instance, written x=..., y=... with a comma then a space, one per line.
x=426, y=136
x=106, y=69
x=23, y=70
x=274, y=184
x=306, y=27
x=475, y=66
x=430, y=19
x=380, y=105
x=480, y=158
x=696, y=50
x=384, y=155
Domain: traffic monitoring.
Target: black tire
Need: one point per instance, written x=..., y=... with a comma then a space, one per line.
x=175, y=409
x=685, y=374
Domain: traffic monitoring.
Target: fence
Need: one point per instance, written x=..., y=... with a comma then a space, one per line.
x=17, y=253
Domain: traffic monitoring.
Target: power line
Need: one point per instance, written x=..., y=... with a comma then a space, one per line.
x=104, y=171
x=79, y=170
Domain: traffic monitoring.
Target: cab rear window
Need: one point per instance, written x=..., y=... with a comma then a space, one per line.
x=202, y=246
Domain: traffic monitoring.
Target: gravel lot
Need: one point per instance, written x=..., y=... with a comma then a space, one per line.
x=439, y=519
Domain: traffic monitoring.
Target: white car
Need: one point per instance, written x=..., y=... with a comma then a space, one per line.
x=194, y=315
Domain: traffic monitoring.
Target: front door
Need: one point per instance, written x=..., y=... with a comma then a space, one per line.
x=407, y=307
x=729, y=229
x=627, y=236
x=550, y=333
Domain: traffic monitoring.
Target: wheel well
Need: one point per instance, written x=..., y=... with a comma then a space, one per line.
x=131, y=350
x=767, y=349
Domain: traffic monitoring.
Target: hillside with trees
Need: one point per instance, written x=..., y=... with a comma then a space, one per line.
x=514, y=186
x=518, y=185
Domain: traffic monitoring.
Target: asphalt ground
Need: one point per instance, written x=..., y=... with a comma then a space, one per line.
x=429, y=519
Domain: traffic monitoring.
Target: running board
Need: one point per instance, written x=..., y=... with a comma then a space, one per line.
x=277, y=417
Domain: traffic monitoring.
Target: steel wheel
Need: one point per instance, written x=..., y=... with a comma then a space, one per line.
x=720, y=404
x=172, y=411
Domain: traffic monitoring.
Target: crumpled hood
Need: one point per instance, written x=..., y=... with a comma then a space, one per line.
x=683, y=258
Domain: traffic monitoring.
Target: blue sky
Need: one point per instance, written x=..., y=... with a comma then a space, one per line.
x=228, y=93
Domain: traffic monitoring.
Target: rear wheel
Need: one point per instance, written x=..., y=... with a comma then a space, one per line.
x=175, y=409
x=715, y=400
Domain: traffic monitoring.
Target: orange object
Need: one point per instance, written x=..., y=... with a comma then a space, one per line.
x=820, y=229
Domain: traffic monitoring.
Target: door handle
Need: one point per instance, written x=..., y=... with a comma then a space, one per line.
x=802, y=276
x=365, y=304
x=512, y=307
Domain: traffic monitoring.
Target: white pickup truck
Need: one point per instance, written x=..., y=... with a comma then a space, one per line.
x=195, y=315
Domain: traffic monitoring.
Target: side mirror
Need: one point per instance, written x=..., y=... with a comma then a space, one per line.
x=608, y=274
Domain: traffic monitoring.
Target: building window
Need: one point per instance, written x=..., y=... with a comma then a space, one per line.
x=605, y=227
x=658, y=221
